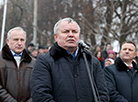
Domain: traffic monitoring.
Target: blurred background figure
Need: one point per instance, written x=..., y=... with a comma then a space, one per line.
x=47, y=49
x=136, y=60
x=97, y=48
x=33, y=52
x=98, y=55
x=111, y=54
x=107, y=48
x=108, y=61
x=29, y=47
x=41, y=49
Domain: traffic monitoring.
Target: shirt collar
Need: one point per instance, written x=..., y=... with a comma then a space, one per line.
x=74, y=54
x=128, y=65
x=14, y=54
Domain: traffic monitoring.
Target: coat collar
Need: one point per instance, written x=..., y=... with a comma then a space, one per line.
x=6, y=54
x=56, y=52
x=122, y=66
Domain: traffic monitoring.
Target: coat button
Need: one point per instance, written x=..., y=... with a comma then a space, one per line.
x=75, y=75
x=78, y=97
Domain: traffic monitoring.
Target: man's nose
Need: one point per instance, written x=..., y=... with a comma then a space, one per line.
x=19, y=41
x=70, y=33
x=127, y=50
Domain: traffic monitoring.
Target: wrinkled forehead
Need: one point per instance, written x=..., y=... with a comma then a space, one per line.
x=17, y=34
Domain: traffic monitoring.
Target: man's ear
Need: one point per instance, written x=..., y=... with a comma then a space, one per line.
x=7, y=41
x=136, y=54
x=55, y=37
x=119, y=52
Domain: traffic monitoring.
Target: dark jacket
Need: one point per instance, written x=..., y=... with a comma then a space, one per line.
x=57, y=77
x=104, y=54
x=14, y=82
x=122, y=82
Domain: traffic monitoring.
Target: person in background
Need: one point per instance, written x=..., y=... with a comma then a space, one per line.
x=136, y=60
x=108, y=61
x=98, y=55
x=33, y=52
x=107, y=48
x=97, y=48
x=60, y=75
x=111, y=54
x=47, y=48
x=29, y=47
x=15, y=68
x=122, y=76
x=41, y=49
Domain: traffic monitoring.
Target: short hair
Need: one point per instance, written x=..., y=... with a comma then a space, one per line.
x=69, y=20
x=41, y=47
x=15, y=28
x=131, y=42
x=31, y=45
x=108, y=43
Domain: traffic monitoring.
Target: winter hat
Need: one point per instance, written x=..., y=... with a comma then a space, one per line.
x=31, y=44
x=41, y=47
x=111, y=51
x=109, y=59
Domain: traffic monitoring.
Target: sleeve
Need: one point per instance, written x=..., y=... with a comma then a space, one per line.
x=111, y=85
x=5, y=96
x=100, y=82
x=40, y=82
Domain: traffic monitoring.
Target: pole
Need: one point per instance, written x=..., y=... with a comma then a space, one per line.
x=90, y=75
x=90, y=78
x=3, y=24
x=35, y=23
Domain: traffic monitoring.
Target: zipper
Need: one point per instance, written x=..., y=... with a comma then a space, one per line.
x=18, y=69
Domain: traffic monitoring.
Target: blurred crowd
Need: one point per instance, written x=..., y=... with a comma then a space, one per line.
x=107, y=56
x=34, y=50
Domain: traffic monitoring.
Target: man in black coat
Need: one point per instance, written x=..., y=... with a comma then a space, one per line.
x=105, y=52
x=122, y=76
x=60, y=75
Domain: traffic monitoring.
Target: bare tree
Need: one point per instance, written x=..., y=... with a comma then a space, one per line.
x=121, y=20
x=101, y=21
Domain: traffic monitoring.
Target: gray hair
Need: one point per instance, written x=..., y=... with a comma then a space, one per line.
x=56, y=26
x=15, y=28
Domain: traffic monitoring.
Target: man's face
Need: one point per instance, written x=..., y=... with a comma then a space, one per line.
x=108, y=47
x=98, y=48
x=16, y=42
x=67, y=35
x=41, y=51
x=128, y=52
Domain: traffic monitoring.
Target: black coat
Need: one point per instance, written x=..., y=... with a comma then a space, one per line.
x=57, y=77
x=104, y=54
x=122, y=82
